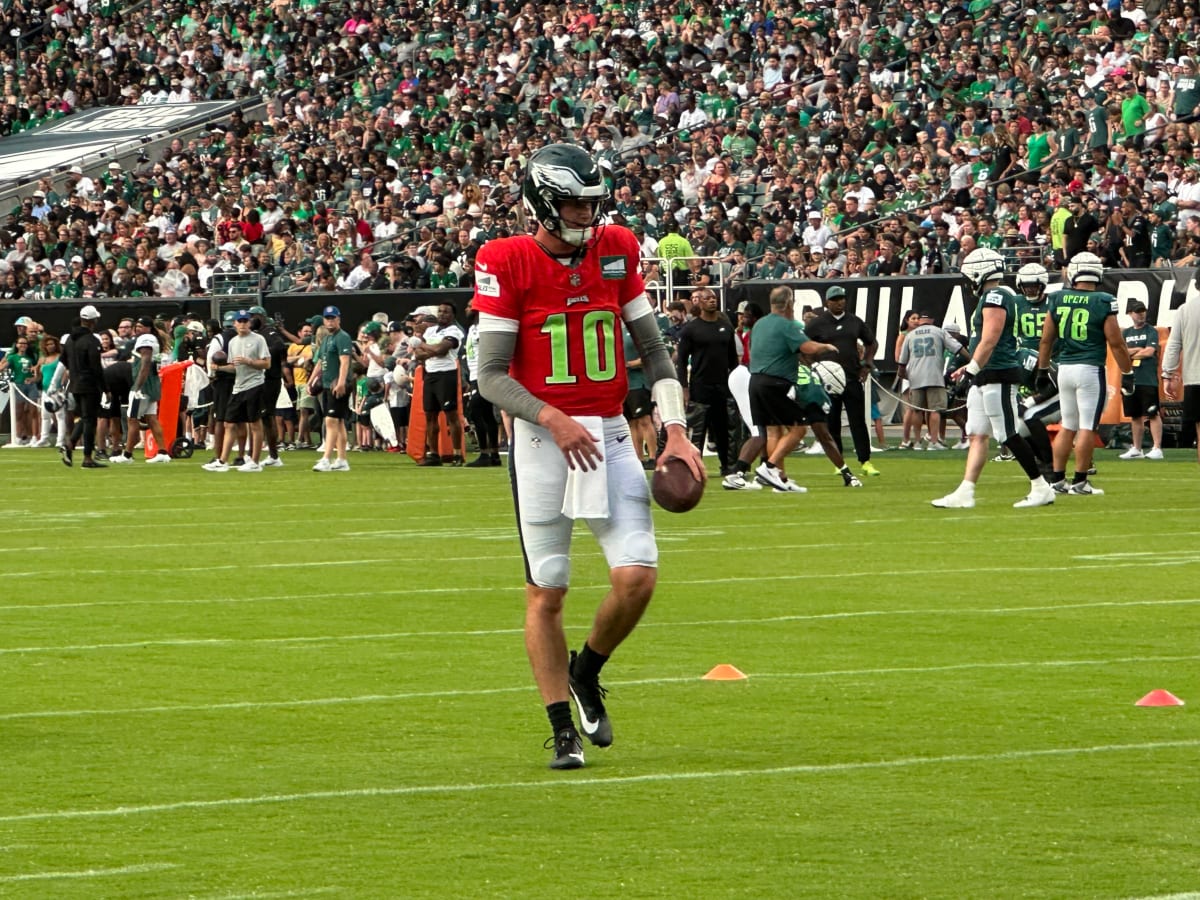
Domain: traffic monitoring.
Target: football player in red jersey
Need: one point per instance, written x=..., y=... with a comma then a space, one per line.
x=550, y=354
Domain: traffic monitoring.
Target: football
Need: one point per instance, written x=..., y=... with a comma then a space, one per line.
x=674, y=487
x=832, y=376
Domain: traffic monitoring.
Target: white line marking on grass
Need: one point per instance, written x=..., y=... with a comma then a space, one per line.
x=570, y=783
x=689, y=679
x=1190, y=895
x=88, y=873
x=308, y=564
x=271, y=895
x=490, y=632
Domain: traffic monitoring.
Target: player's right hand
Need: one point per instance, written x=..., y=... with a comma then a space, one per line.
x=1043, y=385
x=577, y=444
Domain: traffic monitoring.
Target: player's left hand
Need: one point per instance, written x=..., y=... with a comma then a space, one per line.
x=963, y=377
x=1127, y=386
x=679, y=447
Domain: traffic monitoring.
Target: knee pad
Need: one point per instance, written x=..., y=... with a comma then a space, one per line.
x=552, y=572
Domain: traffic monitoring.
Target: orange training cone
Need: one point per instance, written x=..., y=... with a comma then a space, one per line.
x=725, y=672
x=1159, y=698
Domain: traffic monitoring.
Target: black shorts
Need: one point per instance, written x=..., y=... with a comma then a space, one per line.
x=771, y=405
x=814, y=414
x=335, y=407
x=270, y=395
x=245, y=406
x=1142, y=403
x=400, y=415
x=222, y=390
x=1191, y=403
x=442, y=392
x=638, y=403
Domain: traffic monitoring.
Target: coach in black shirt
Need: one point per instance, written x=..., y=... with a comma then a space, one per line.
x=706, y=343
x=82, y=361
x=834, y=325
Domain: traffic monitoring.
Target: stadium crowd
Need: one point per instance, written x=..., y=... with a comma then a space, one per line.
x=784, y=139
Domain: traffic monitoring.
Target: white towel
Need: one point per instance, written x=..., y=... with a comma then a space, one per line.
x=586, y=493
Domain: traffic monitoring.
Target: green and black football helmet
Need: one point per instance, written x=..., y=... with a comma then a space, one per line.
x=559, y=172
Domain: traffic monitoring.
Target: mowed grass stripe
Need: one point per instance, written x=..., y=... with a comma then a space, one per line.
x=1181, y=558
x=830, y=674
x=559, y=782
x=940, y=612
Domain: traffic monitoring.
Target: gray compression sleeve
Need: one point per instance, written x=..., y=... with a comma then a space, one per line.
x=494, y=353
x=656, y=360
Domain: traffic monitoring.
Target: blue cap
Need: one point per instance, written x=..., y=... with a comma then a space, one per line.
x=243, y=315
x=331, y=311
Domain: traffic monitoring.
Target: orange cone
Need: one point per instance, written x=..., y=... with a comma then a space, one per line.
x=1159, y=698
x=725, y=672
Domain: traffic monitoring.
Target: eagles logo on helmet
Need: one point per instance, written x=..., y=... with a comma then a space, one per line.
x=560, y=172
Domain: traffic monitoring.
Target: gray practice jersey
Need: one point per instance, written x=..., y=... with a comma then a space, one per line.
x=924, y=355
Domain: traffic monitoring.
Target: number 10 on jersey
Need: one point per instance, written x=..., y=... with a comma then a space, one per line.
x=598, y=348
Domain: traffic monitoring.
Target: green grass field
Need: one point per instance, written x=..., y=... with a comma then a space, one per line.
x=299, y=685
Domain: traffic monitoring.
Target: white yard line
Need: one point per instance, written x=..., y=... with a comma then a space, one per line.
x=491, y=632
x=88, y=873
x=689, y=679
x=552, y=783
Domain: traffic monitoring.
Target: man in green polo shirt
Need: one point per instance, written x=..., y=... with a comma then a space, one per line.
x=776, y=342
x=332, y=372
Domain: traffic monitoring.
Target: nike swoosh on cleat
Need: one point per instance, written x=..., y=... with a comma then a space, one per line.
x=590, y=726
x=621, y=438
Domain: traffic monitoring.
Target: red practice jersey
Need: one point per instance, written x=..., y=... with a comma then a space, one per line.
x=569, y=351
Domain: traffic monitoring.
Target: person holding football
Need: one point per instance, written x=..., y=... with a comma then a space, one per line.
x=551, y=357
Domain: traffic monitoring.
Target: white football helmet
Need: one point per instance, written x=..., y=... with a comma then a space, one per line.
x=983, y=265
x=1085, y=267
x=1032, y=279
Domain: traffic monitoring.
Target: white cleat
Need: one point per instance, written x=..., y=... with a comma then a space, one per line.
x=770, y=476
x=1135, y=453
x=1156, y=453
x=1039, y=495
x=955, y=500
x=737, y=482
x=790, y=487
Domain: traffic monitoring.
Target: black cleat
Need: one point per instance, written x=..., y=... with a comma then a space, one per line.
x=92, y=464
x=568, y=750
x=484, y=462
x=64, y=450
x=589, y=700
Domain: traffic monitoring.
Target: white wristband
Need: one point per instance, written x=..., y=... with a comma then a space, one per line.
x=668, y=397
x=973, y=367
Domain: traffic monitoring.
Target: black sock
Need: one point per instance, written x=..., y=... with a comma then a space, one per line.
x=560, y=715
x=1080, y=477
x=1059, y=476
x=589, y=663
x=846, y=476
x=1019, y=447
x=742, y=466
x=1039, y=440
